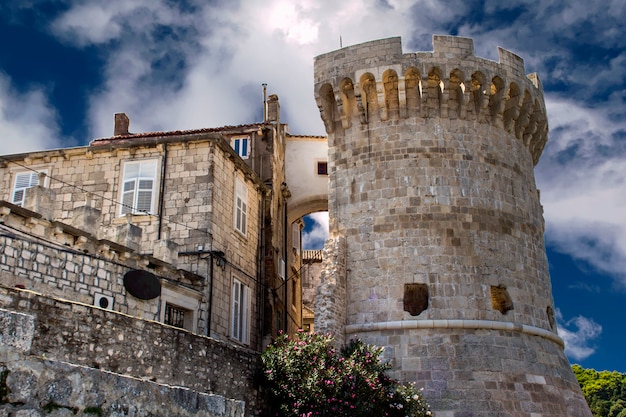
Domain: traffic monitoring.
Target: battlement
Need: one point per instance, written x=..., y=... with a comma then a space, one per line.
x=375, y=82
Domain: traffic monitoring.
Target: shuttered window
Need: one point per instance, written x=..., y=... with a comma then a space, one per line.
x=241, y=207
x=240, y=314
x=23, y=181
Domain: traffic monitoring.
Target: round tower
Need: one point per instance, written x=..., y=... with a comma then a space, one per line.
x=436, y=246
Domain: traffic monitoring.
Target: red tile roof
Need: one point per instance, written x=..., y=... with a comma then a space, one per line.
x=132, y=136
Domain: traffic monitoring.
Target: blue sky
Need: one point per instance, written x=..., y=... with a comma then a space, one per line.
x=67, y=66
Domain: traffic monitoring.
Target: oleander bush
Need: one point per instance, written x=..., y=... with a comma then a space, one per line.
x=304, y=376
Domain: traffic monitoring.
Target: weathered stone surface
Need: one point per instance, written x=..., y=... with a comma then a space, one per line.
x=80, y=356
x=60, y=389
x=16, y=330
x=431, y=158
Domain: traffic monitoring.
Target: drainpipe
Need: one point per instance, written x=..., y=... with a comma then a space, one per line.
x=162, y=190
x=264, y=102
x=286, y=312
x=210, y=310
x=261, y=274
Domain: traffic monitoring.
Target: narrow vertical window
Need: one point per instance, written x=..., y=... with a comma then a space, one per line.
x=240, y=312
x=138, y=187
x=241, y=207
x=322, y=168
x=295, y=237
x=281, y=267
x=23, y=181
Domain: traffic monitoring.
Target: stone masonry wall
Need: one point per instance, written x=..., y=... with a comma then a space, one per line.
x=431, y=158
x=68, y=274
x=79, y=346
x=331, y=298
x=196, y=177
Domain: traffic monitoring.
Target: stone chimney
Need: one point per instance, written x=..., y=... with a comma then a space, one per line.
x=122, y=122
x=273, y=109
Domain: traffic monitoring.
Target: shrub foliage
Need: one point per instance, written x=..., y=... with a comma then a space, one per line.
x=605, y=391
x=304, y=376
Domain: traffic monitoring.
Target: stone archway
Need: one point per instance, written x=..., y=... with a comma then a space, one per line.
x=306, y=174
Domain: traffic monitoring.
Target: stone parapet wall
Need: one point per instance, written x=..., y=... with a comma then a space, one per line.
x=375, y=82
x=58, y=260
x=110, y=342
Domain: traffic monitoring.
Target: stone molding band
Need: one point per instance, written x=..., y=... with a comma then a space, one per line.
x=455, y=324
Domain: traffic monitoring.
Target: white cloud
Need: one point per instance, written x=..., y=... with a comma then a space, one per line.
x=223, y=54
x=582, y=177
x=579, y=335
x=27, y=121
x=173, y=68
x=95, y=22
x=315, y=237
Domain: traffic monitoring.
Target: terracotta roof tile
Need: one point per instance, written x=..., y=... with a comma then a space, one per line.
x=131, y=136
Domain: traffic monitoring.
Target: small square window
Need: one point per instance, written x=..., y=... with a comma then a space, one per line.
x=179, y=310
x=322, y=168
x=174, y=316
x=241, y=146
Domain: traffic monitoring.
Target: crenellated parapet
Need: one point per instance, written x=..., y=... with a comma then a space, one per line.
x=375, y=82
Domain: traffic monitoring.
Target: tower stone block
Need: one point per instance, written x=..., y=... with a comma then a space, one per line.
x=432, y=194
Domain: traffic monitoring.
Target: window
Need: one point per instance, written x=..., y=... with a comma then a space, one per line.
x=294, y=291
x=138, y=187
x=179, y=307
x=322, y=168
x=281, y=267
x=240, y=145
x=241, y=207
x=240, y=312
x=295, y=237
x=23, y=181
x=174, y=316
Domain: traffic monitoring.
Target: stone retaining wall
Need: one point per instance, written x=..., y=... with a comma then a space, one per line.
x=74, y=356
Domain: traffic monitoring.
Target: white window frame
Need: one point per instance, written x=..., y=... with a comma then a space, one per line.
x=240, y=217
x=295, y=236
x=240, y=312
x=131, y=186
x=31, y=181
x=241, y=145
x=189, y=302
x=281, y=267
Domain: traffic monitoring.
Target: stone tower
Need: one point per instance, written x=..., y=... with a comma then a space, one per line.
x=436, y=246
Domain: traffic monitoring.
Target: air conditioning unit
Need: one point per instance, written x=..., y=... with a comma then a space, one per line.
x=103, y=301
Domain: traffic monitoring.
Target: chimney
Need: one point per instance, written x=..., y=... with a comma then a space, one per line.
x=121, y=124
x=273, y=109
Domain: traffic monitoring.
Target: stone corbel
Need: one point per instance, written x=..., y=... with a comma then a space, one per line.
x=4, y=213
x=30, y=222
x=80, y=242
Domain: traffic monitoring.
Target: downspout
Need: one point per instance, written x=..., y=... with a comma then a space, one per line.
x=286, y=312
x=261, y=274
x=210, y=309
x=162, y=190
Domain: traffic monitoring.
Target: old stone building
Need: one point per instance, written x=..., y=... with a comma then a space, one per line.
x=143, y=273
x=436, y=246
x=184, y=228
